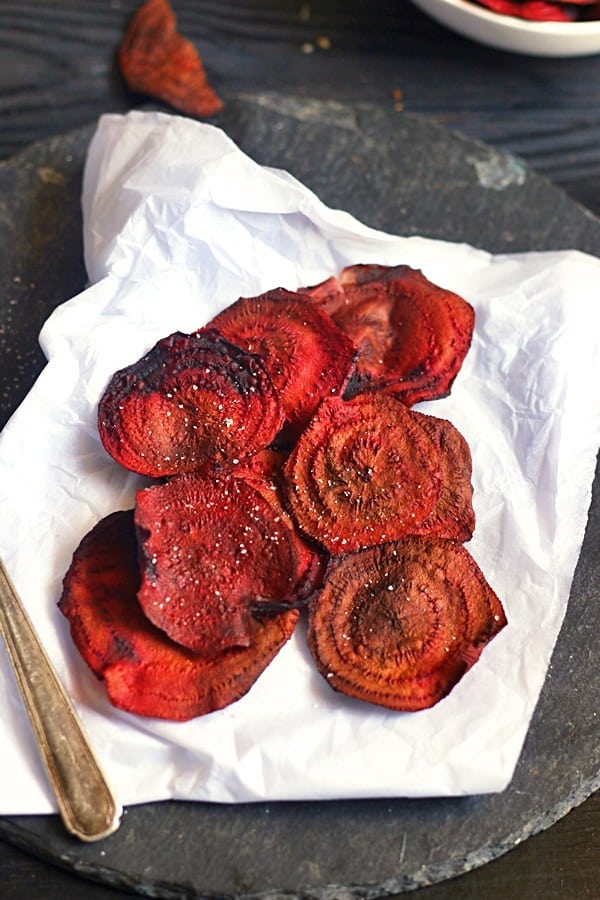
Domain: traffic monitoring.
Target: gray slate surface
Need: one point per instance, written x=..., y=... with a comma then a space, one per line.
x=406, y=175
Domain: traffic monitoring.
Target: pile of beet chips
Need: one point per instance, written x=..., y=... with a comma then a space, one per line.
x=545, y=10
x=288, y=475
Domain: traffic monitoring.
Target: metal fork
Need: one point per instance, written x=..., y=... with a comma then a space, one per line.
x=86, y=804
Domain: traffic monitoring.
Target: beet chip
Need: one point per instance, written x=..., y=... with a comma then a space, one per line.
x=412, y=335
x=452, y=515
x=192, y=399
x=305, y=353
x=399, y=624
x=535, y=10
x=310, y=562
x=364, y=471
x=214, y=550
x=145, y=672
x=156, y=60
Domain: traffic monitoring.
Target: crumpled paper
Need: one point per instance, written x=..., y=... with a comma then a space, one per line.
x=178, y=223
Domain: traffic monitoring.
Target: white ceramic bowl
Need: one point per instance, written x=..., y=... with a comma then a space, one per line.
x=516, y=35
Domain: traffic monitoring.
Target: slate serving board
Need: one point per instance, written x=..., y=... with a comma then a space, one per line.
x=406, y=175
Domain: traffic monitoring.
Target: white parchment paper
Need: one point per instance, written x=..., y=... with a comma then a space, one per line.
x=178, y=223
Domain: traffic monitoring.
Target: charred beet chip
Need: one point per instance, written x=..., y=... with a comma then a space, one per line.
x=452, y=515
x=192, y=399
x=399, y=624
x=305, y=353
x=412, y=335
x=364, y=471
x=144, y=672
x=213, y=552
x=155, y=59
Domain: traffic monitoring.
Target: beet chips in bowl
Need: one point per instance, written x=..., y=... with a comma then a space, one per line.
x=555, y=28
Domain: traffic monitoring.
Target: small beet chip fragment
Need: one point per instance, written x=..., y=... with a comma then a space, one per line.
x=399, y=624
x=156, y=60
x=144, y=672
x=412, y=334
x=364, y=471
x=305, y=353
x=192, y=400
x=214, y=552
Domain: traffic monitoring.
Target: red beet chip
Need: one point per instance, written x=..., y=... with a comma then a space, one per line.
x=192, y=399
x=213, y=552
x=144, y=672
x=535, y=10
x=412, y=335
x=156, y=60
x=264, y=466
x=452, y=515
x=305, y=353
x=364, y=471
x=264, y=472
x=310, y=560
x=399, y=624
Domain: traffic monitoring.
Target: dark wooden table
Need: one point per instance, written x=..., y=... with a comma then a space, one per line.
x=58, y=71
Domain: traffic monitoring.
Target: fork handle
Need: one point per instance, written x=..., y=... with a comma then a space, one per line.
x=85, y=802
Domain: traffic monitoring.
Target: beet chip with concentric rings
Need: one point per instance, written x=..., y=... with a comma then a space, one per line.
x=192, y=399
x=399, y=624
x=144, y=672
x=453, y=515
x=365, y=470
x=412, y=335
x=305, y=353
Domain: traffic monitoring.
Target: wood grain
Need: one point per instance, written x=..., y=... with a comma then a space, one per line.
x=57, y=71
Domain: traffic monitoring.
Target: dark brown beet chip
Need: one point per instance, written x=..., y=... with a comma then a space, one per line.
x=364, y=471
x=192, y=399
x=144, y=672
x=412, y=335
x=452, y=515
x=399, y=624
x=305, y=353
x=213, y=549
